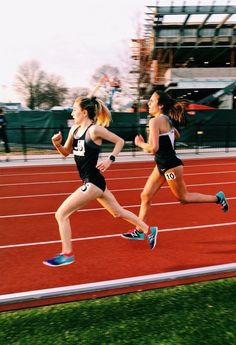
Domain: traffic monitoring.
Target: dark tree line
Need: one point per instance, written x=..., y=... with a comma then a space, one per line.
x=38, y=88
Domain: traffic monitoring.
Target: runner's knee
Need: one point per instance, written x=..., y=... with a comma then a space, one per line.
x=59, y=215
x=146, y=197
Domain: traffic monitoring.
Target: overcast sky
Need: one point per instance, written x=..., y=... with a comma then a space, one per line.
x=70, y=38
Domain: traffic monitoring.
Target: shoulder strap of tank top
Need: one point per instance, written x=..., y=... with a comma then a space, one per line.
x=88, y=128
x=84, y=134
x=76, y=129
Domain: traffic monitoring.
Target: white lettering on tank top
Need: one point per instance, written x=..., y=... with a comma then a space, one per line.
x=80, y=149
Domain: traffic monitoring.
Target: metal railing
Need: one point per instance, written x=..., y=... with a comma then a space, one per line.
x=25, y=141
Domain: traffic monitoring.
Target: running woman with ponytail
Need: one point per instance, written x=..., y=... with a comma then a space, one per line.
x=85, y=137
x=164, y=112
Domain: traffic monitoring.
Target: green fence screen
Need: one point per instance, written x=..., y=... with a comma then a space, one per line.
x=203, y=127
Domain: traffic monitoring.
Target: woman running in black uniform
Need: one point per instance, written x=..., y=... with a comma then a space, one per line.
x=85, y=138
x=169, y=167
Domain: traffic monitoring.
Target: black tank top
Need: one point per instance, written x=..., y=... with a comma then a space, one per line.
x=86, y=155
x=166, y=157
x=166, y=151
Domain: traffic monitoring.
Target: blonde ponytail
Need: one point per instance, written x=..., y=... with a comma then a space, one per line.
x=97, y=111
x=103, y=115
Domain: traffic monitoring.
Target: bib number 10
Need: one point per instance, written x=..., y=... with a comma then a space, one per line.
x=170, y=176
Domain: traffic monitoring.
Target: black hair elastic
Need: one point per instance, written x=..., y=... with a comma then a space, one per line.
x=94, y=99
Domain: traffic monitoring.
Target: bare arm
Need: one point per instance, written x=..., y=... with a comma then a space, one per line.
x=65, y=149
x=153, y=140
x=177, y=134
x=101, y=133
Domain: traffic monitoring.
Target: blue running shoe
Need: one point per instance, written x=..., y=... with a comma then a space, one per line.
x=152, y=238
x=59, y=260
x=134, y=235
x=222, y=201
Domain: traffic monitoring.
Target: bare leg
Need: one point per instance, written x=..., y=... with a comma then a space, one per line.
x=177, y=185
x=109, y=202
x=74, y=202
x=153, y=184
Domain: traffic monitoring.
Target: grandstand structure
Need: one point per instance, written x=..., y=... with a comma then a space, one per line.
x=190, y=51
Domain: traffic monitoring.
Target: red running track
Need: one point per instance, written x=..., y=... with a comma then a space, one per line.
x=191, y=236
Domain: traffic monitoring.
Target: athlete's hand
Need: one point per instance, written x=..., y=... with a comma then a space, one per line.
x=138, y=140
x=104, y=165
x=57, y=138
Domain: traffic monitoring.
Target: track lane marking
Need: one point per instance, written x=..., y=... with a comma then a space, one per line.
x=110, y=170
x=110, y=179
x=184, y=228
x=113, y=190
x=91, y=209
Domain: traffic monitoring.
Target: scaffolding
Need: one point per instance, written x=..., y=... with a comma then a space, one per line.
x=190, y=36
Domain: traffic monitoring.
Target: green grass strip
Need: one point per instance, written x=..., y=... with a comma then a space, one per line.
x=201, y=313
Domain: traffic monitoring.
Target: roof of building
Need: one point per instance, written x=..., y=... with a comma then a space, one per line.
x=184, y=34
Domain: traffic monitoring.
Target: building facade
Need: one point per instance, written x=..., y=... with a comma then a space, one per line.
x=189, y=51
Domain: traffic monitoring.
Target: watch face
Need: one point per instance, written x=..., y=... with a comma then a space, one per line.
x=112, y=158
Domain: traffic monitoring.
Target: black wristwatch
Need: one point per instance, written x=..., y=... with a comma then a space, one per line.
x=112, y=158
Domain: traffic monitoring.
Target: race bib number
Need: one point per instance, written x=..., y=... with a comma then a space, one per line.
x=85, y=187
x=80, y=149
x=170, y=176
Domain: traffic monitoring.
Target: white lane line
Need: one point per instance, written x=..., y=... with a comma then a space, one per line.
x=111, y=170
x=114, y=190
x=90, y=209
x=205, y=226
x=82, y=210
x=34, y=196
x=66, y=181
x=110, y=179
x=115, y=284
x=30, y=214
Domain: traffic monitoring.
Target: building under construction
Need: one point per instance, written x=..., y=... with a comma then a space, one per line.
x=189, y=51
